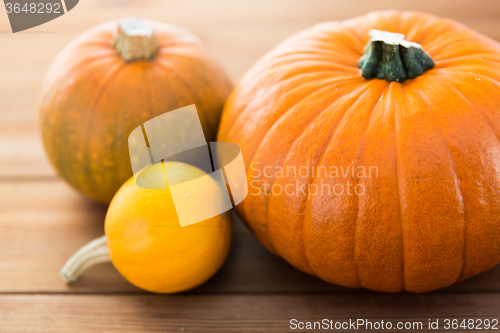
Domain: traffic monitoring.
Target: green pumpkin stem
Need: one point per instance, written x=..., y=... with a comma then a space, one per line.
x=388, y=56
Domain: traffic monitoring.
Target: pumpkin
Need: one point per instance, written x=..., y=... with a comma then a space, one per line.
x=147, y=245
x=112, y=79
x=372, y=151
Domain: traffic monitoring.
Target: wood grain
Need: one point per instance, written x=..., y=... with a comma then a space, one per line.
x=238, y=33
x=42, y=223
x=228, y=313
x=21, y=152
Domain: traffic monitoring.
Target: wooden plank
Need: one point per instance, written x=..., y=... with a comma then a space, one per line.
x=228, y=313
x=21, y=152
x=238, y=35
x=43, y=222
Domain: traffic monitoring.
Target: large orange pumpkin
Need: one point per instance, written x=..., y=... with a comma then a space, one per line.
x=110, y=80
x=413, y=142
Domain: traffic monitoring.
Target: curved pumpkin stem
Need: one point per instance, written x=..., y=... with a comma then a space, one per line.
x=390, y=57
x=87, y=256
x=135, y=40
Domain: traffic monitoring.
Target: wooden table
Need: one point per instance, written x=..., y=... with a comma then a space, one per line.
x=43, y=221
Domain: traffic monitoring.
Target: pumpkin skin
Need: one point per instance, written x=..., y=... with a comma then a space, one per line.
x=148, y=246
x=431, y=216
x=91, y=101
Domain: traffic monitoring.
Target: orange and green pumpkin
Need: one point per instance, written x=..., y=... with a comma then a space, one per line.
x=423, y=112
x=109, y=81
